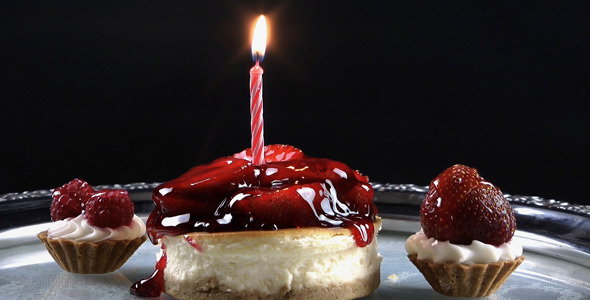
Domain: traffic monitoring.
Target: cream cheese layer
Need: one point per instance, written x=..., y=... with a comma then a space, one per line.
x=269, y=265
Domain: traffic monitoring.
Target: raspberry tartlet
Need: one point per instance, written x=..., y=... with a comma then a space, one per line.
x=465, y=247
x=94, y=231
x=294, y=227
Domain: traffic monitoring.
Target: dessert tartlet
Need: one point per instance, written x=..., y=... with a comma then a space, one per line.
x=94, y=232
x=294, y=227
x=465, y=247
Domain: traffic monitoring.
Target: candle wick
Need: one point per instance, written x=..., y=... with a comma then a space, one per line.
x=257, y=57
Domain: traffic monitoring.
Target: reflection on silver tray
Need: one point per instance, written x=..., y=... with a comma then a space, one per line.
x=555, y=235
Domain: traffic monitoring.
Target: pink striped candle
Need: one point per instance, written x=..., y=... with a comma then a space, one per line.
x=256, y=120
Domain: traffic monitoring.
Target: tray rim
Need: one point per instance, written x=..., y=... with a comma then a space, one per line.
x=16, y=200
x=388, y=198
x=536, y=201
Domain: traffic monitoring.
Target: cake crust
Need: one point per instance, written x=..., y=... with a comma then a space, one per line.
x=342, y=291
x=460, y=280
x=88, y=257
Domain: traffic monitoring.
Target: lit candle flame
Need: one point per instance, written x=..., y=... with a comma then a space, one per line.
x=259, y=39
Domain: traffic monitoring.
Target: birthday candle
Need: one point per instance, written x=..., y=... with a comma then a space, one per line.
x=256, y=120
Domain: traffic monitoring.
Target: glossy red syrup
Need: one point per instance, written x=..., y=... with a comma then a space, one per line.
x=290, y=190
x=153, y=286
x=193, y=243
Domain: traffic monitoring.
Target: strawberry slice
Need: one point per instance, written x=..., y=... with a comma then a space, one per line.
x=461, y=207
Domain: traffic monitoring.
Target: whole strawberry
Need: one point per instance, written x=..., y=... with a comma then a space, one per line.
x=109, y=208
x=461, y=207
x=69, y=199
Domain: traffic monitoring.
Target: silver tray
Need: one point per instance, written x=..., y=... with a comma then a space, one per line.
x=555, y=235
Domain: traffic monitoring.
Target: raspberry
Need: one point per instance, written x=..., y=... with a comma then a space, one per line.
x=69, y=199
x=109, y=208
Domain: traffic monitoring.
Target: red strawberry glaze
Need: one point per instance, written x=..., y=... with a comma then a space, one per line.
x=153, y=286
x=193, y=243
x=291, y=190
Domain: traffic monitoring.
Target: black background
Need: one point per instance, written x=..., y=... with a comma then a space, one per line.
x=130, y=91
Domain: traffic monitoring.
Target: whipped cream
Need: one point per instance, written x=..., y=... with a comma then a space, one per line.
x=78, y=229
x=475, y=253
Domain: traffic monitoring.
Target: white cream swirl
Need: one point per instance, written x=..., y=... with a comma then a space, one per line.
x=78, y=229
x=475, y=253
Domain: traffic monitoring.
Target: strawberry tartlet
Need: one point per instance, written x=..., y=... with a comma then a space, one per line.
x=465, y=247
x=94, y=231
